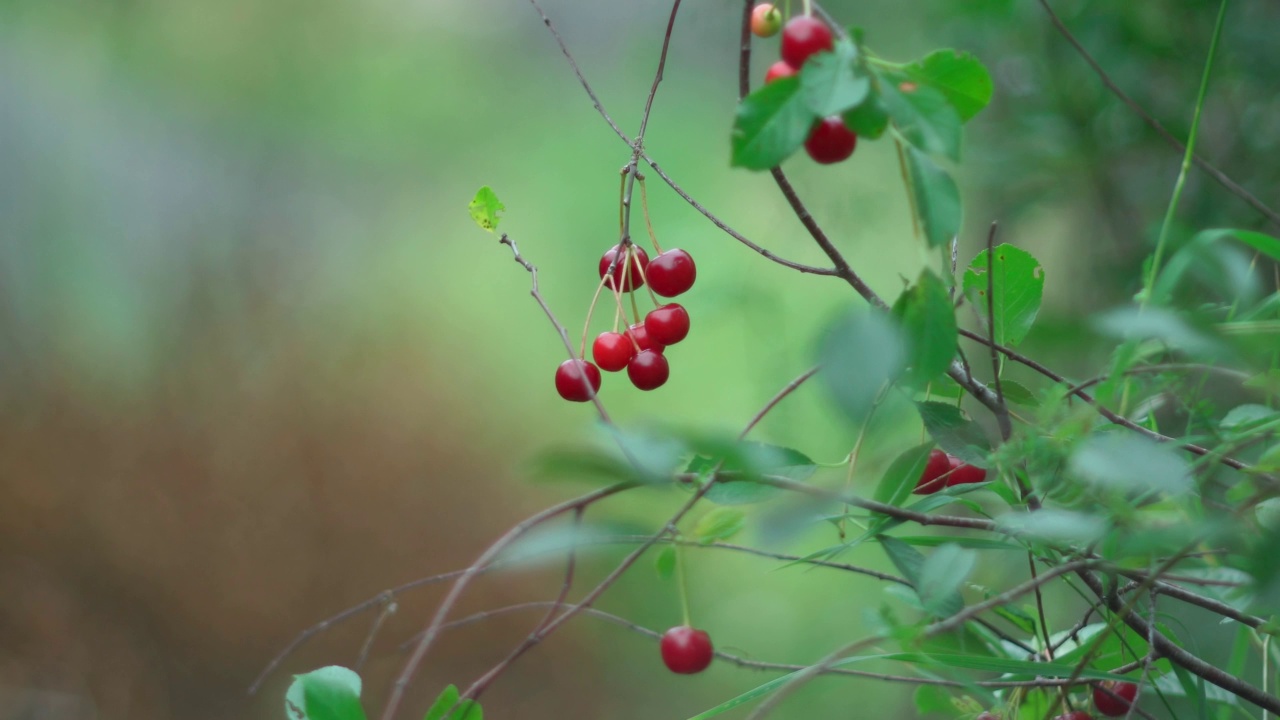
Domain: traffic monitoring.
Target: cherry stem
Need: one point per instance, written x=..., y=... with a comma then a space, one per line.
x=808, y=7
x=586, y=327
x=622, y=201
x=644, y=206
x=683, y=584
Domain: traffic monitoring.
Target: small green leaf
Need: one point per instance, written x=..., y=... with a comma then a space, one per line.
x=928, y=323
x=870, y=119
x=1017, y=289
x=665, y=562
x=1130, y=463
x=1245, y=417
x=1161, y=324
x=1053, y=525
x=771, y=124
x=448, y=700
x=960, y=77
x=936, y=199
x=485, y=207
x=901, y=477
x=860, y=354
x=834, y=82
x=954, y=433
x=940, y=578
x=720, y=523
x=923, y=115
x=1264, y=244
x=750, y=460
x=330, y=693
x=1018, y=394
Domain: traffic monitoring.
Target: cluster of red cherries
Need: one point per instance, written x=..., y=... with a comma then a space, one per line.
x=640, y=348
x=943, y=470
x=1110, y=698
x=830, y=141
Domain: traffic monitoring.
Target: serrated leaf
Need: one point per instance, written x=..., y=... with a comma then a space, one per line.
x=941, y=576
x=936, y=198
x=954, y=433
x=923, y=115
x=834, y=82
x=719, y=523
x=771, y=124
x=860, y=354
x=1017, y=290
x=1128, y=462
x=484, y=208
x=928, y=322
x=329, y=693
x=1018, y=394
x=665, y=562
x=961, y=78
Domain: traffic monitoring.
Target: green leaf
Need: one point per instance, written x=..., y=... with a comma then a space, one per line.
x=1128, y=462
x=901, y=477
x=771, y=124
x=954, y=433
x=448, y=700
x=1246, y=417
x=860, y=354
x=1018, y=394
x=907, y=559
x=870, y=119
x=665, y=562
x=834, y=82
x=330, y=693
x=750, y=460
x=936, y=199
x=961, y=78
x=719, y=523
x=1055, y=526
x=941, y=576
x=928, y=323
x=485, y=207
x=1264, y=244
x=923, y=115
x=1162, y=324
x=1017, y=289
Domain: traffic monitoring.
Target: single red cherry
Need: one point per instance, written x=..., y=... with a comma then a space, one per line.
x=569, y=380
x=766, y=20
x=1110, y=705
x=802, y=37
x=634, y=278
x=648, y=370
x=962, y=473
x=778, y=70
x=612, y=351
x=686, y=650
x=668, y=324
x=932, y=479
x=830, y=141
x=671, y=273
x=644, y=340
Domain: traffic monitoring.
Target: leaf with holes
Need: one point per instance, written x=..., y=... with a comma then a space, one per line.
x=484, y=208
x=330, y=693
x=922, y=114
x=1017, y=286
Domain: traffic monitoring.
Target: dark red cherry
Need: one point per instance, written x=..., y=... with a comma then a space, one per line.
x=668, y=324
x=634, y=278
x=569, y=380
x=686, y=650
x=803, y=36
x=672, y=273
x=778, y=70
x=830, y=141
x=612, y=351
x=932, y=480
x=648, y=370
x=1114, y=706
x=643, y=339
x=963, y=473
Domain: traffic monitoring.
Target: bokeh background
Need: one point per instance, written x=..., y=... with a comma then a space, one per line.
x=257, y=364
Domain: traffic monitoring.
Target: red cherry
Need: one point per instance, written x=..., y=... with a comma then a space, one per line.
x=634, y=278
x=1113, y=706
x=685, y=650
x=1076, y=715
x=671, y=273
x=802, y=37
x=963, y=473
x=642, y=338
x=766, y=20
x=668, y=324
x=932, y=480
x=778, y=70
x=648, y=370
x=612, y=351
x=987, y=716
x=569, y=380
x=830, y=141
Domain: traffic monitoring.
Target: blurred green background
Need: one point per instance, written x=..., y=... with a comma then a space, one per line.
x=257, y=364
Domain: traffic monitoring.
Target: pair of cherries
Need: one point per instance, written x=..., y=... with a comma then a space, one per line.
x=830, y=141
x=943, y=470
x=1110, y=698
x=638, y=349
